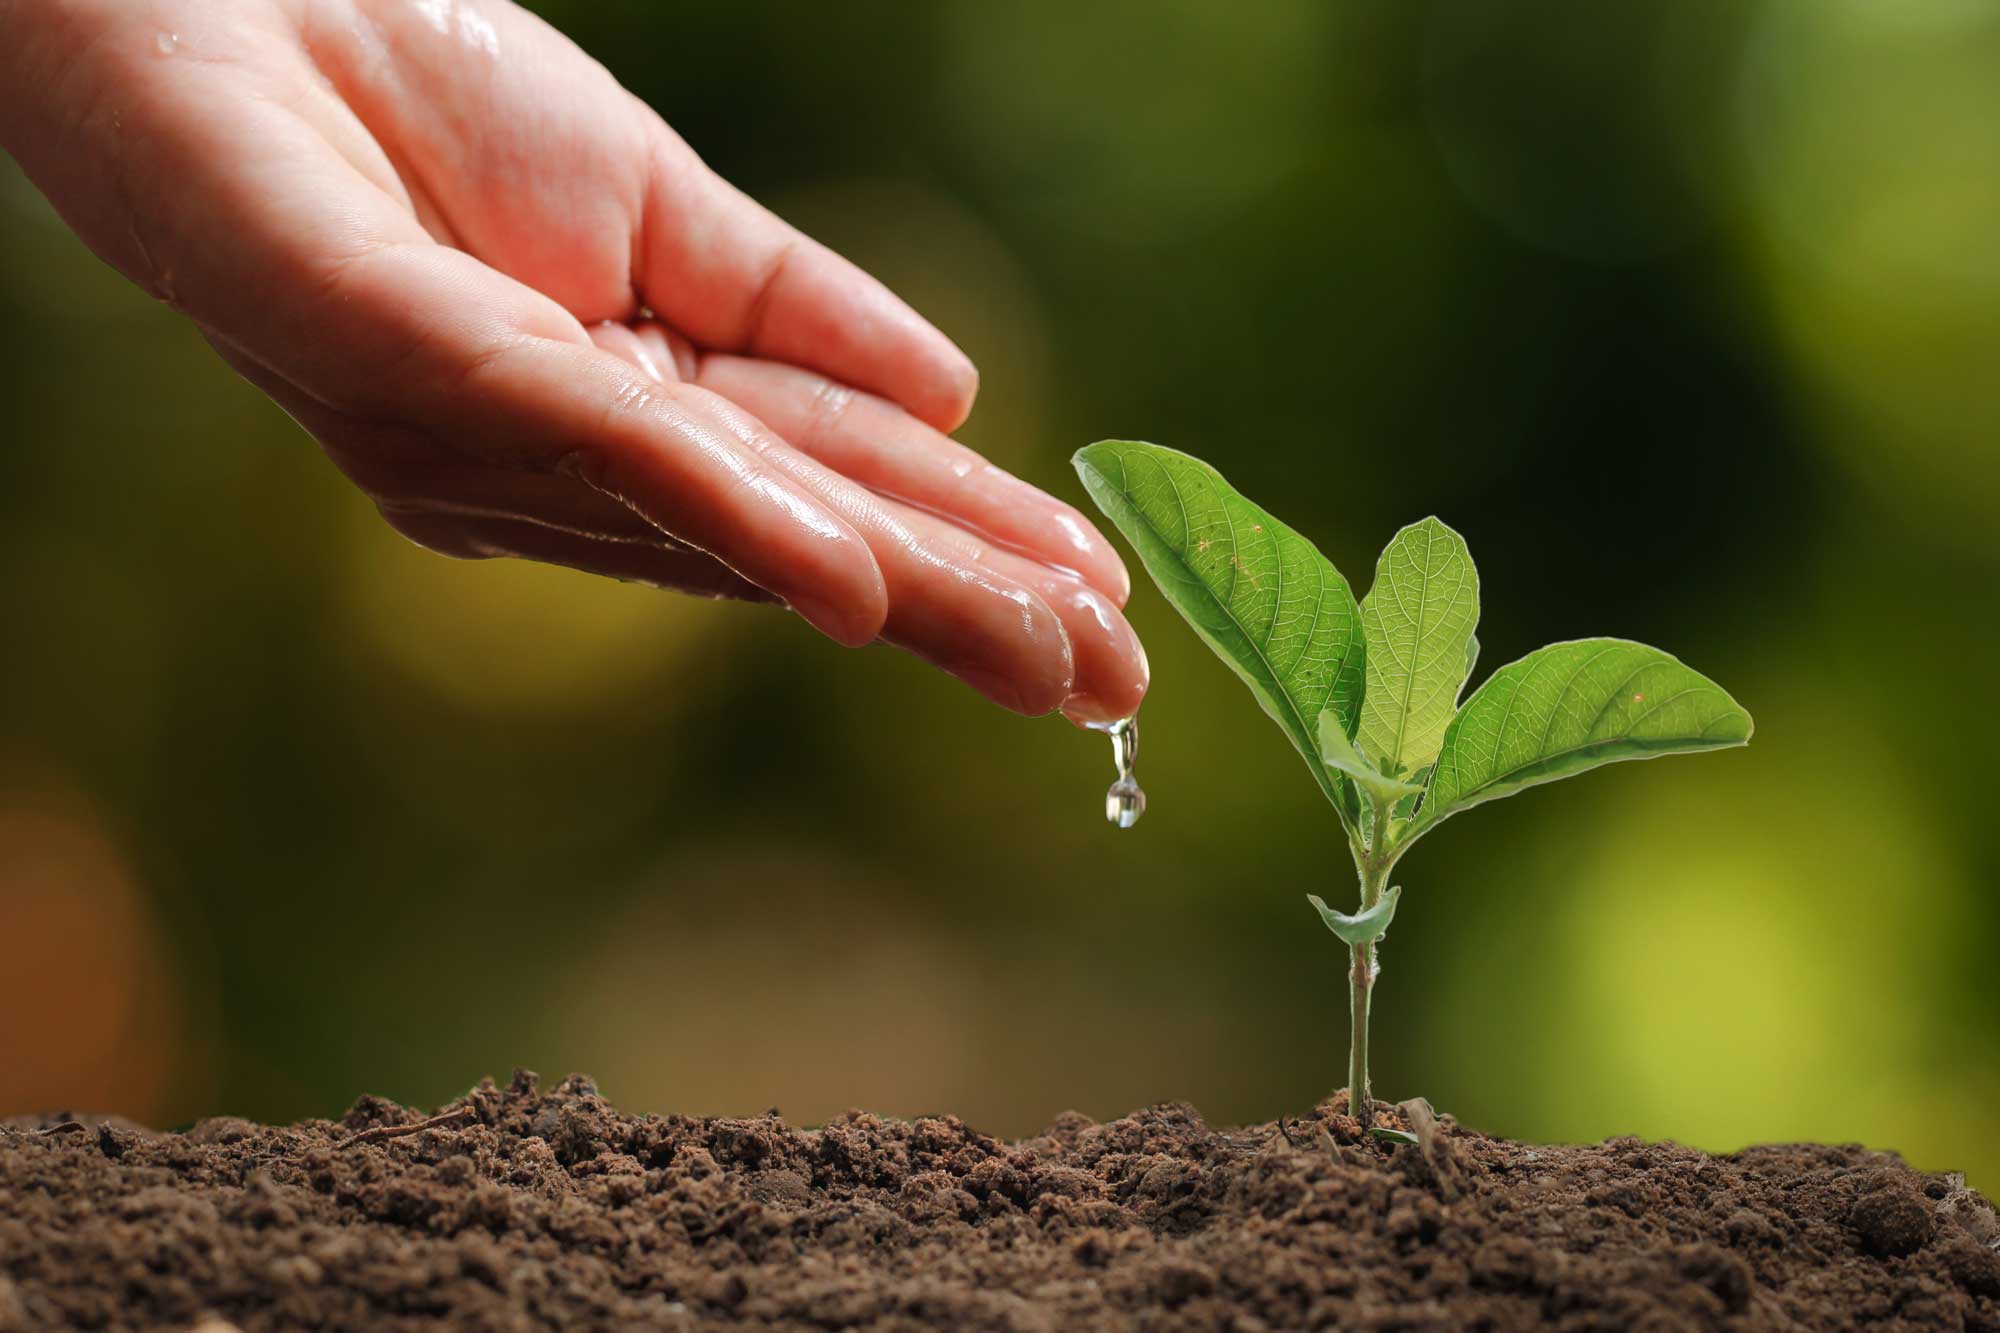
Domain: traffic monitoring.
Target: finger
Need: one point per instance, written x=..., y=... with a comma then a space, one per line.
x=960, y=614
x=1109, y=665
x=992, y=632
x=1107, y=661
x=544, y=405
x=887, y=450
x=730, y=275
x=1111, y=673
x=680, y=571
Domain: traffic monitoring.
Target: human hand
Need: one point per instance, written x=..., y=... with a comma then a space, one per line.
x=525, y=318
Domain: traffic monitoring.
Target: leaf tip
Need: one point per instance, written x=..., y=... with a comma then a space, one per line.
x=1105, y=463
x=1431, y=523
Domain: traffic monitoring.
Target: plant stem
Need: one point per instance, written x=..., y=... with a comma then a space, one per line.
x=1360, y=980
x=1373, y=862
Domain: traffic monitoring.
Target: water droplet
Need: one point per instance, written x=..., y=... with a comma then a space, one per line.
x=166, y=42
x=1124, y=802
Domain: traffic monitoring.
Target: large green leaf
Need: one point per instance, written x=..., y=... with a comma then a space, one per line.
x=1260, y=595
x=1572, y=706
x=1419, y=619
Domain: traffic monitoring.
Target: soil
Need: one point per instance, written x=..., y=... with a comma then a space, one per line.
x=519, y=1208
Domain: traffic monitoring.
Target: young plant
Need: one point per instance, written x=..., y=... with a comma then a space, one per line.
x=1369, y=693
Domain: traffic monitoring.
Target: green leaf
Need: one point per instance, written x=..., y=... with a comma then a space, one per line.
x=1261, y=596
x=1341, y=754
x=1419, y=619
x=1363, y=927
x=1570, y=707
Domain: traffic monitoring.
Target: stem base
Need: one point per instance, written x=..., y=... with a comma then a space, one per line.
x=1360, y=983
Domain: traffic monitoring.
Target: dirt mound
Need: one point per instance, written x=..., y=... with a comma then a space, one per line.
x=517, y=1208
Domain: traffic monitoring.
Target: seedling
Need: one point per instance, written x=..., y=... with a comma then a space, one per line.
x=1369, y=693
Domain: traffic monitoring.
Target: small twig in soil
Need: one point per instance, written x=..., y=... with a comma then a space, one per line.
x=66, y=1127
x=381, y=1132
x=1432, y=1144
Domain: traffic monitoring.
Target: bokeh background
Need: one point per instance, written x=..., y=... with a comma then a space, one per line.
x=1687, y=314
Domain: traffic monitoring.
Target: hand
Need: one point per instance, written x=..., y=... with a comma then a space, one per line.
x=526, y=319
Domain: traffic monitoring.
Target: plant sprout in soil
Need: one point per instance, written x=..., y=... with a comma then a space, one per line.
x=1369, y=693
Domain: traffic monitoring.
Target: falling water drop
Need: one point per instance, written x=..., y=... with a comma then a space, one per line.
x=1124, y=802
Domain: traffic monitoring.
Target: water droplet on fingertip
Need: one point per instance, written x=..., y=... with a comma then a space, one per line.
x=166, y=42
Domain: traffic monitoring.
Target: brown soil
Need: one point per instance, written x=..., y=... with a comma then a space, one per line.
x=524, y=1209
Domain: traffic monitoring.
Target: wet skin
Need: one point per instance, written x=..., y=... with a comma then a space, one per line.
x=521, y=314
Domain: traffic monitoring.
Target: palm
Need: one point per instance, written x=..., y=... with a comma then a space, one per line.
x=523, y=316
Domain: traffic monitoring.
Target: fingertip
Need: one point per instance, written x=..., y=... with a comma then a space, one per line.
x=1025, y=665
x=1087, y=712
x=852, y=618
x=1111, y=701
x=953, y=391
x=842, y=593
x=908, y=360
x=1112, y=671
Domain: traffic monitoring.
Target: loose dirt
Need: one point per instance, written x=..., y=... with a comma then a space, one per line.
x=519, y=1208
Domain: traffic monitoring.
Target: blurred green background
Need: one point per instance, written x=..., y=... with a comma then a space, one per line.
x=1686, y=314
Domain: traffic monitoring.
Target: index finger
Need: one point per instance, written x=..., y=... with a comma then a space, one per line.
x=886, y=450
x=733, y=277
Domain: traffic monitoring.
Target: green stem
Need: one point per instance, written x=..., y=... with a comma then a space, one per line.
x=1373, y=862
x=1360, y=981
